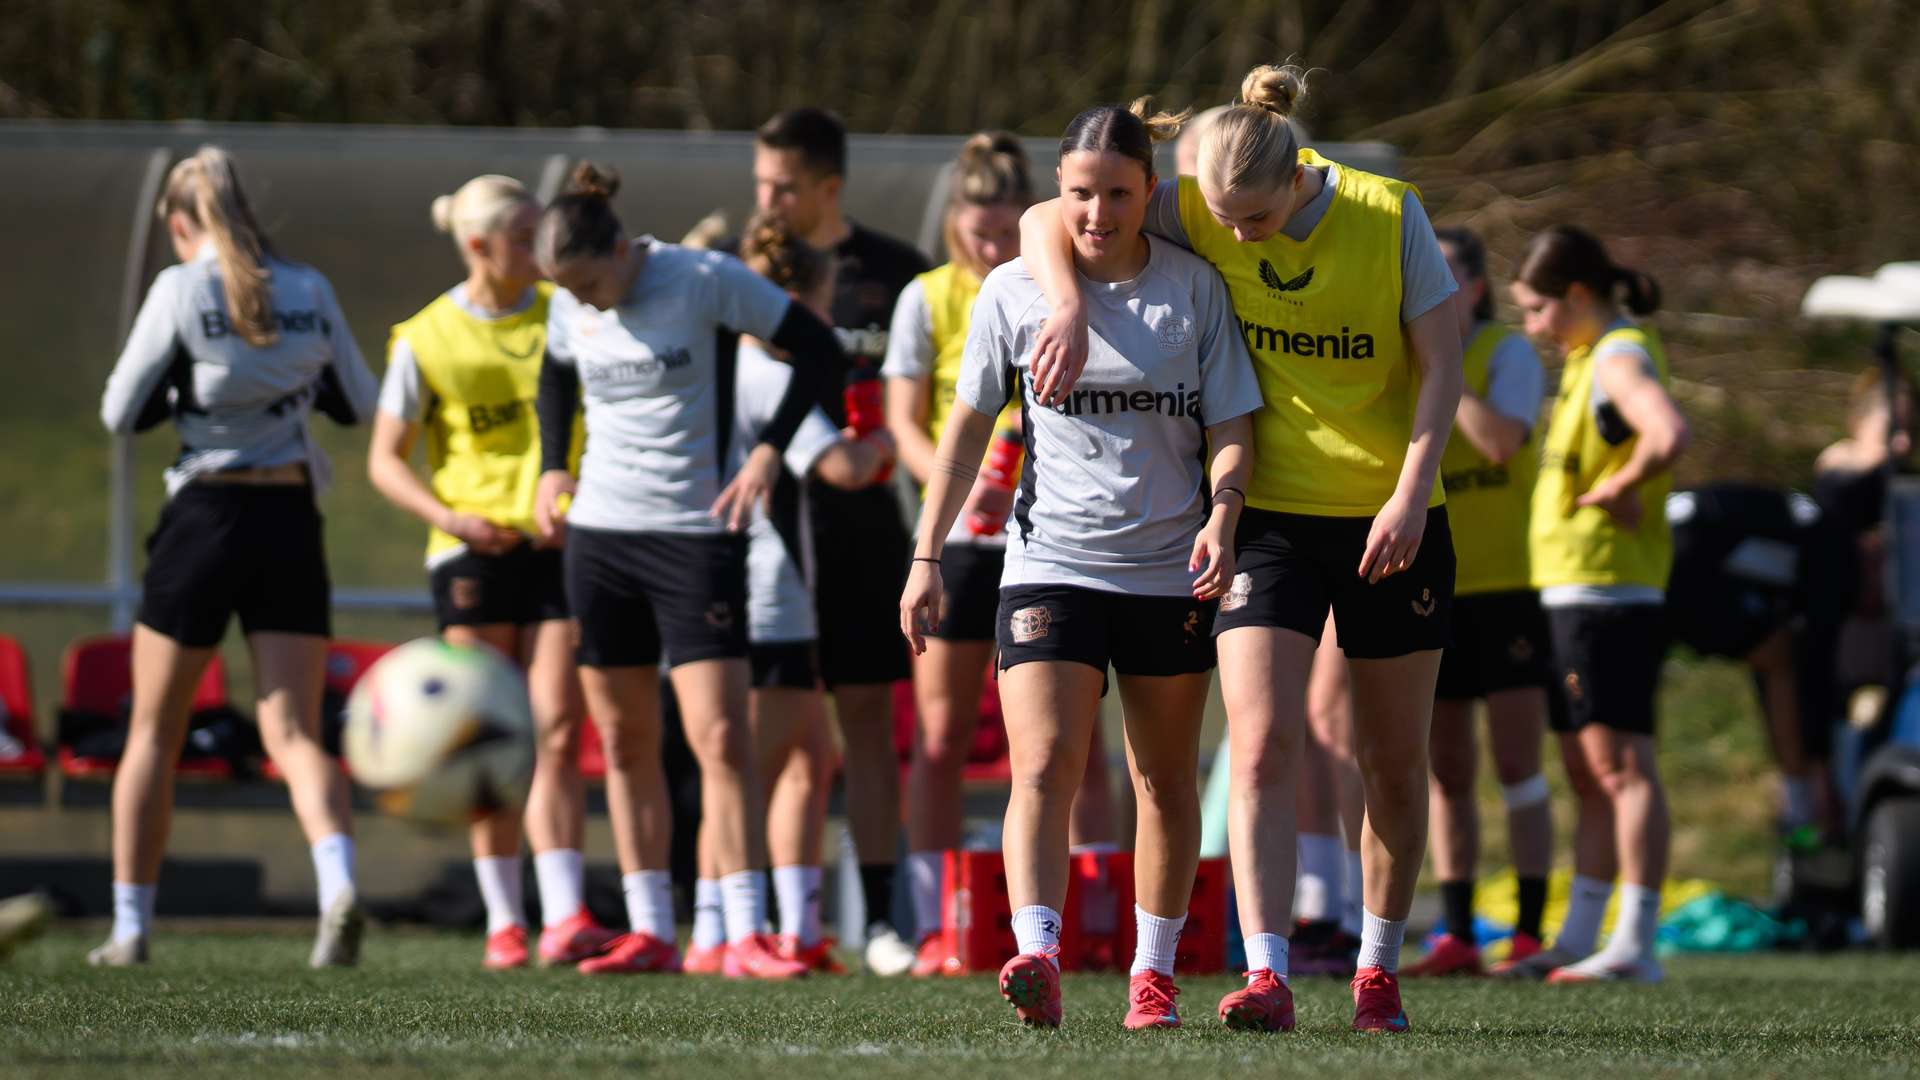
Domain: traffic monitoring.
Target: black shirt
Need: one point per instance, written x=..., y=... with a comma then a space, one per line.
x=870, y=270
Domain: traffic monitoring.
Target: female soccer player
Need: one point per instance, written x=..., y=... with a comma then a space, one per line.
x=1601, y=552
x=1339, y=285
x=793, y=745
x=990, y=187
x=237, y=346
x=463, y=370
x=655, y=555
x=1118, y=549
x=1500, y=644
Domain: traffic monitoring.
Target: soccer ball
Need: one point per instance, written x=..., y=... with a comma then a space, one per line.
x=441, y=734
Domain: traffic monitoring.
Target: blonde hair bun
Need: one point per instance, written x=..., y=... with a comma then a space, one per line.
x=480, y=206
x=1277, y=89
x=443, y=213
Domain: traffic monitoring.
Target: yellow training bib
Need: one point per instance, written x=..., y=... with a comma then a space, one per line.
x=1488, y=504
x=950, y=290
x=483, y=441
x=1581, y=545
x=1322, y=319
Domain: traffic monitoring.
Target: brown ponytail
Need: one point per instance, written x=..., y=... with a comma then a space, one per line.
x=1131, y=131
x=207, y=190
x=775, y=252
x=1566, y=255
x=580, y=223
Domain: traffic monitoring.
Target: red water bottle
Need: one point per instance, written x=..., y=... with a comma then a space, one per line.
x=1003, y=462
x=866, y=412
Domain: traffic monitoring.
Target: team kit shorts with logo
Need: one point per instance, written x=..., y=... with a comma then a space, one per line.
x=520, y=587
x=1293, y=567
x=1500, y=642
x=1137, y=635
x=1606, y=665
x=637, y=593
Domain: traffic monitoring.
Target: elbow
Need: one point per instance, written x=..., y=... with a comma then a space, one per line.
x=1678, y=439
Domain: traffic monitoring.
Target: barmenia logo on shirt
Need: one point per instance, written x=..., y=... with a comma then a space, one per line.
x=1178, y=401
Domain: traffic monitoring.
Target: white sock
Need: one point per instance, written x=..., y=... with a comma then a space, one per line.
x=1036, y=930
x=925, y=880
x=743, y=904
x=132, y=910
x=1796, y=797
x=333, y=867
x=649, y=896
x=796, y=890
x=810, y=922
x=1586, y=906
x=561, y=875
x=1267, y=952
x=1352, y=910
x=1380, y=942
x=1633, y=930
x=1319, y=892
x=709, y=925
x=1155, y=941
x=499, y=877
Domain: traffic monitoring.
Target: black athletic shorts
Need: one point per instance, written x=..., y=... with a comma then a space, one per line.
x=970, y=575
x=227, y=549
x=1500, y=642
x=521, y=587
x=1606, y=665
x=1293, y=567
x=860, y=549
x=784, y=665
x=635, y=593
x=1138, y=635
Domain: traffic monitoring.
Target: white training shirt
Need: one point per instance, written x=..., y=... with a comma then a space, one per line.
x=779, y=561
x=648, y=382
x=1115, y=485
x=910, y=355
x=237, y=405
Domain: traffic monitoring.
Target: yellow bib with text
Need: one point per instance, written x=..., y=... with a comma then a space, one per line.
x=950, y=290
x=483, y=441
x=1488, y=504
x=1581, y=545
x=1322, y=319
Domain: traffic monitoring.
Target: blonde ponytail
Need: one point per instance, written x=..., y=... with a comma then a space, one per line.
x=478, y=207
x=1161, y=125
x=207, y=190
x=1252, y=144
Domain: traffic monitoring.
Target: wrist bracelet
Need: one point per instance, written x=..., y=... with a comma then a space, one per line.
x=1224, y=488
x=927, y=558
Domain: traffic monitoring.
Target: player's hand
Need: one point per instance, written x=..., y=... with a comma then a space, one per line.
x=990, y=503
x=481, y=536
x=1212, y=558
x=1622, y=504
x=1060, y=354
x=1394, y=540
x=880, y=440
x=750, y=486
x=548, y=515
x=921, y=604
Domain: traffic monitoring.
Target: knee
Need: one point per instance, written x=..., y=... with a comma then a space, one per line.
x=1167, y=788
x=1453, y=774
x=626, y=746
x=1045, y=775
x=1274, y=765
x=1512, y=765
x=719, y=744
x=557, y=737
x=1622, y=778
x=942, y=746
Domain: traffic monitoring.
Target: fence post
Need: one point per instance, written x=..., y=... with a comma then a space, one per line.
x=132, y=282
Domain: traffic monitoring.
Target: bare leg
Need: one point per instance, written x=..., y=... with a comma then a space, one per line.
x=556, y=815
x=1092, y=821
x=865, y=715
x=1516, y=722
x=713, y=706
x=1163, y=755
x=624, y=704
x=1263, y=676
x=1627, y=771
x=1456, y=820
x=290, y=674
x=1051, y=710
x=947, y=680
x=1392, y=714
x=795, y=752
x=165, y=674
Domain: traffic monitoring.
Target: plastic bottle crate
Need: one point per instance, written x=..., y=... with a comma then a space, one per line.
x=975, y=916
x=1203, y=941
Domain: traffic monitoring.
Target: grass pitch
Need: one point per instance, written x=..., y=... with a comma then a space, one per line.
x=243, y=1003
